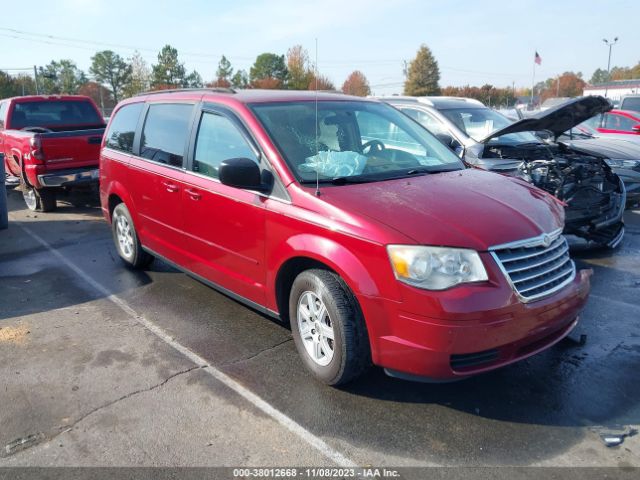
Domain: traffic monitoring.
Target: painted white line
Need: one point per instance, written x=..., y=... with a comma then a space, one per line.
x=251, y=397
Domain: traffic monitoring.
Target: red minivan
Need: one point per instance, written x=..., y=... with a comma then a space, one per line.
x=347, y=219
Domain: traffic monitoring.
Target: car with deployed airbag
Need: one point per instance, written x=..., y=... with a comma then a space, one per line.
x=347, y=220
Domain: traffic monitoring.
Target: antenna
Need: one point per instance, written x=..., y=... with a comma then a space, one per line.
x=316, y=124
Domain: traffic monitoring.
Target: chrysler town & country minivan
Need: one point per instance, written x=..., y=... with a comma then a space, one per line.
x=348, y=220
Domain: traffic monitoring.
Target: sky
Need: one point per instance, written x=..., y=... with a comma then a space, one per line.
x=475, y=42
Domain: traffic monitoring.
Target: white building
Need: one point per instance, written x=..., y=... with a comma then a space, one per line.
x=614, y=90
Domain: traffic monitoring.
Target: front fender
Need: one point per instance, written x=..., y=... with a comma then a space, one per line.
x=327, y=251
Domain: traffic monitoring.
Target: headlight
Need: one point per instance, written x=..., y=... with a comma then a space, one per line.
x=435, y=268
x=620, y=163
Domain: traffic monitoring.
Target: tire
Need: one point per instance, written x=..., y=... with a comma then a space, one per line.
x=348, y=354
x=39, y=200
x=126, y=239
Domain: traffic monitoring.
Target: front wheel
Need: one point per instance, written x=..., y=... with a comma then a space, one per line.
x=328, y=327
x=126, y=239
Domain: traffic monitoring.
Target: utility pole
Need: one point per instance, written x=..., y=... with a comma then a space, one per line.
x=610, y=44
x=35, y=74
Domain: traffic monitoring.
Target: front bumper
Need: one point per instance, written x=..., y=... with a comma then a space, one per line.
x=473, y=333
x=67, y=178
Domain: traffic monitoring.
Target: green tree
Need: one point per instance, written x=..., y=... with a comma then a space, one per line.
x=356, y=84
x=61, y=77
x=269, y=71
x=14, y=86
x=321, y=83
x=240, y=79
x=110, y=68
x=299, y=69
x=193, y=80
x=224, y=73
x=599, y=76
x=423, y=74
x=140, y=78
x=169, y=72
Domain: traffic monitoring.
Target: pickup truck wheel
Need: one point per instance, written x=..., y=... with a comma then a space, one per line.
x=126, y=239
x=328, y=327
x=31, y=198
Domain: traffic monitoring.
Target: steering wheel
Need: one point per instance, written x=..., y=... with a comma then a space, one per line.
x=371, y=144
x=37, y=129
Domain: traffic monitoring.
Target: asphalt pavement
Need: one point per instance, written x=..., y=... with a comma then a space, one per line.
x=101, y=365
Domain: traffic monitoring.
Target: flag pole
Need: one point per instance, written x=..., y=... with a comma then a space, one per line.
x=533, y=78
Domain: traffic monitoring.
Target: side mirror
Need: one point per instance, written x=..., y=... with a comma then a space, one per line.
x=242, y=173
x=636, y=129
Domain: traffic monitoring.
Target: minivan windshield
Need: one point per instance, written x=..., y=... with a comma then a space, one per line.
x=479, y=123
x=352, y=141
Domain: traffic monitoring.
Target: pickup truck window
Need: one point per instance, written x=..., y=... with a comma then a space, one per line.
x=165, y=131
x=123, y=128
x=3, y=113
x=55, y=115
x=218, y=139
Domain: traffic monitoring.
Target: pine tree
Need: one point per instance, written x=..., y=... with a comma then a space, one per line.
x=169, y=72
x=423, y=74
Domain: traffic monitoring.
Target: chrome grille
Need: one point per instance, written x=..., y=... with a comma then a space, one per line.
x=536, y=267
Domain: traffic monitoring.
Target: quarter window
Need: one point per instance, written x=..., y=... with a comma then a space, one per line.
x=123, y=128
x=218, y=139
x=165, y=132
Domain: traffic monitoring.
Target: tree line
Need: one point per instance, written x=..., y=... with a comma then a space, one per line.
x=111, y=77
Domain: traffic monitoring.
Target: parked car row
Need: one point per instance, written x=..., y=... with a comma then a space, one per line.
x=345, y=217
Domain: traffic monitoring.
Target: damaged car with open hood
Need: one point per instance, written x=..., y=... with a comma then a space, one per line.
x=594, y=196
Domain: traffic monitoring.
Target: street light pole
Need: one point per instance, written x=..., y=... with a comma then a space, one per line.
x=610, y=44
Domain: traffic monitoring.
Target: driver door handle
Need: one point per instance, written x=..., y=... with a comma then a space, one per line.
x=193, y=194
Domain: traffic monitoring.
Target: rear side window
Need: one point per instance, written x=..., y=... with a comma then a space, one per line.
x=426, y=120
x=165, y=132
x=55, y=114
x=3, y=112
x=218, y=139
x=123, y=128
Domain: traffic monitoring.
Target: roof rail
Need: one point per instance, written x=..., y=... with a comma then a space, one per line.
x=174, y=90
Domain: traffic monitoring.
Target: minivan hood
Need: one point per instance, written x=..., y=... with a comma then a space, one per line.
x=468, y=208
x=559, y=119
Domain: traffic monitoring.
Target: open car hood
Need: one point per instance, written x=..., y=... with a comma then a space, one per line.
x=559, y=119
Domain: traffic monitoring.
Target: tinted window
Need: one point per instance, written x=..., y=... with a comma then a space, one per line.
x=123, y=128
x=165, y=133
x=3, y=112
x=55, y=114
x=218, y=139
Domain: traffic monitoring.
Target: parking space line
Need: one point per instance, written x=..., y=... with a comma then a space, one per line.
x=248, y=395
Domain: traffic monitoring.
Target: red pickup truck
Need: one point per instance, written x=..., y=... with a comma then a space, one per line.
x=50, y=144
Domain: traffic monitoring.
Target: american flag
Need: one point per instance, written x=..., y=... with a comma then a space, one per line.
x=537, y=59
